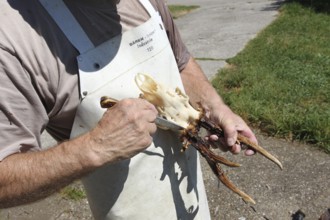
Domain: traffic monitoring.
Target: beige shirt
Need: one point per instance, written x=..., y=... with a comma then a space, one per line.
x=38, y=69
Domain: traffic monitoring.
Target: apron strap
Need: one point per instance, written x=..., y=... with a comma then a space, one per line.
x=148, y=6
x=68, y=24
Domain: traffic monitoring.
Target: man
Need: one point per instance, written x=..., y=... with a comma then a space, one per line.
x=56, y=60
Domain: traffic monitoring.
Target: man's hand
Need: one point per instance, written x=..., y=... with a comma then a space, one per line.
x=201, y=92
x=124, y=130
x=231, y=124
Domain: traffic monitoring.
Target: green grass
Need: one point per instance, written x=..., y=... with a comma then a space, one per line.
x=180, y=10
x=74, y=193
x=281, y=81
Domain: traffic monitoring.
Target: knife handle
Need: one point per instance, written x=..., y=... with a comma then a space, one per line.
x=107, y=102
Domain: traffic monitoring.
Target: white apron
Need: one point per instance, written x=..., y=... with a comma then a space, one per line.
x=160, y=182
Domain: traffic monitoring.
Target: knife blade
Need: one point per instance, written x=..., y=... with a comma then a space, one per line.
x=167, y=125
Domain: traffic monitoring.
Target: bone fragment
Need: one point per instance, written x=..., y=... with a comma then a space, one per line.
x=173, y=105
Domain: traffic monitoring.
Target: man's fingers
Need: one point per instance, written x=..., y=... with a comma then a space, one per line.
x=230, y=133
x=213, y=137
x=152, y=128
x=249, y=152
x=235, y=149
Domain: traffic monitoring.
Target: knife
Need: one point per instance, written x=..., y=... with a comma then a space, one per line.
x=163, y=123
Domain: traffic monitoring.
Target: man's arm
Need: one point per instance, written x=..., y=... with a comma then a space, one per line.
x=201, y=91
x=27, y=177
x=124, y=131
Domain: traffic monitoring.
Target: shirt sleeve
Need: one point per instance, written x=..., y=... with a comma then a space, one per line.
x=180, y=51
x=22, y=114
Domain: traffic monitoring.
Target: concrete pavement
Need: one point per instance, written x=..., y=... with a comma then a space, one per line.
x=219, y=29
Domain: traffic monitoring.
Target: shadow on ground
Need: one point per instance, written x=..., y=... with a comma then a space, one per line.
x=303, y=185
x=322, y=6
